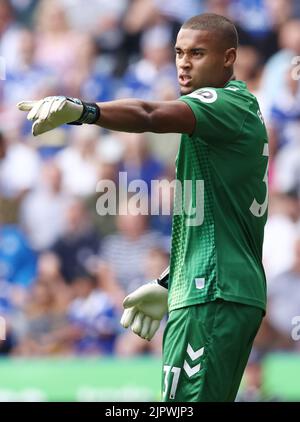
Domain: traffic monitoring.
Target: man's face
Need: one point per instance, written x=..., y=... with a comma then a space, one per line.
x=200, y=60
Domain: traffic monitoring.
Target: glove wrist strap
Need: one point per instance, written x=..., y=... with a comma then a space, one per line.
x=163, y=279
x=90, y=114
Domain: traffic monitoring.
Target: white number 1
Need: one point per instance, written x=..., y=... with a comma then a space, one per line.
x=257, y=209
x=176, y=372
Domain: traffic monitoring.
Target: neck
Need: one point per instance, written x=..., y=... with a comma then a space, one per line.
x=230, y=78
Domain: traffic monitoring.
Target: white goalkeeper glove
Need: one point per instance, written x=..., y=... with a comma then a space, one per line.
x=144, y=309
x=51, y=112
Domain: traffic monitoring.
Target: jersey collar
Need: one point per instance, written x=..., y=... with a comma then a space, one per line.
x=238, y=84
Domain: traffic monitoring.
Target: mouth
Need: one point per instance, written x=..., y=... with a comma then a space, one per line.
x=185, y=80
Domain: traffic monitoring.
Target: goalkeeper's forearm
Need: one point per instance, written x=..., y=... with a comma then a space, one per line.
x=163, y=279
x=132, y=115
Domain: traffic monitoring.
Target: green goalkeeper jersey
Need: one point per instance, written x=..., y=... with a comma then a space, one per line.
x=221, y=201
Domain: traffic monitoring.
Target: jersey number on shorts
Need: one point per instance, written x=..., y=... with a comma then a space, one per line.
x=176, y=372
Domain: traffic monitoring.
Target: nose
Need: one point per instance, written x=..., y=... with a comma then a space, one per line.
x=184, y=62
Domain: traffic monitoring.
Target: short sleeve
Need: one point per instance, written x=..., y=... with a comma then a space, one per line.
x=219, y=114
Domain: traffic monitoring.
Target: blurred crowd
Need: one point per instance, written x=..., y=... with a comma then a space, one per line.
x=65, y=269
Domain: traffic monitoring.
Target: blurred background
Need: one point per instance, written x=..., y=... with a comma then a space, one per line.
x=65, y=269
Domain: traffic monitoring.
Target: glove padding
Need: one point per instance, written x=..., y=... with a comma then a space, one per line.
x=144, y=309
x=51, y=112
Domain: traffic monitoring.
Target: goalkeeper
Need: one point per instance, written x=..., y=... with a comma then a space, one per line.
x=214, y=290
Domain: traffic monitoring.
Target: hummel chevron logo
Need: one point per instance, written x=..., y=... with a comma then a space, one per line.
x=191, y=371
x=194, y=355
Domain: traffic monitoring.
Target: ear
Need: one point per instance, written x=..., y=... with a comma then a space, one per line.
x=229, y=57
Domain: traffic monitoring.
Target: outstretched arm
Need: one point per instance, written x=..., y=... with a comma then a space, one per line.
x=132, y=115
x=128, y=115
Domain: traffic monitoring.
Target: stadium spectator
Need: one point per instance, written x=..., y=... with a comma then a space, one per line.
x=89, y=78
x=78, y=246
x=17, y=259
x=49, y=272
x=27, y=78
x=249, y=67
x=79, y=162
x=128, y=344
x=24, y=10
x=42, y=213
x=277, y=66
x=280, y=233
x=57, y=43
x=102, y=19
x=19, y=170
x=154, y=69
x=9, y=35
x=137, y=161
x=110, y=150
x=180, y=11
x=42, y=317
x=85, y=325
x=93, y=320
x=283, y=306
x=284, y=127
x=124, y=254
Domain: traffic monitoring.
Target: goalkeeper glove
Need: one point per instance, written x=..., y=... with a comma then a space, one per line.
x=144, y=309
x=51, y=112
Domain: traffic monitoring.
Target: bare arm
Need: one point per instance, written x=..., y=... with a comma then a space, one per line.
x=128, y=115
x=131, y=115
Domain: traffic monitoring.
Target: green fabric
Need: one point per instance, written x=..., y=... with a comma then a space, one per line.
x=217, y=251
x=206, y=348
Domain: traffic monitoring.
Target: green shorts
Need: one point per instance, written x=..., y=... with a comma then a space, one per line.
x=205, y=351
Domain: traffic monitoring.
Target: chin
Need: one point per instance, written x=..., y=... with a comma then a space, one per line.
x=186, y=91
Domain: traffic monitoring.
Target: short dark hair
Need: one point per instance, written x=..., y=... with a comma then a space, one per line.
x=221, y=26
